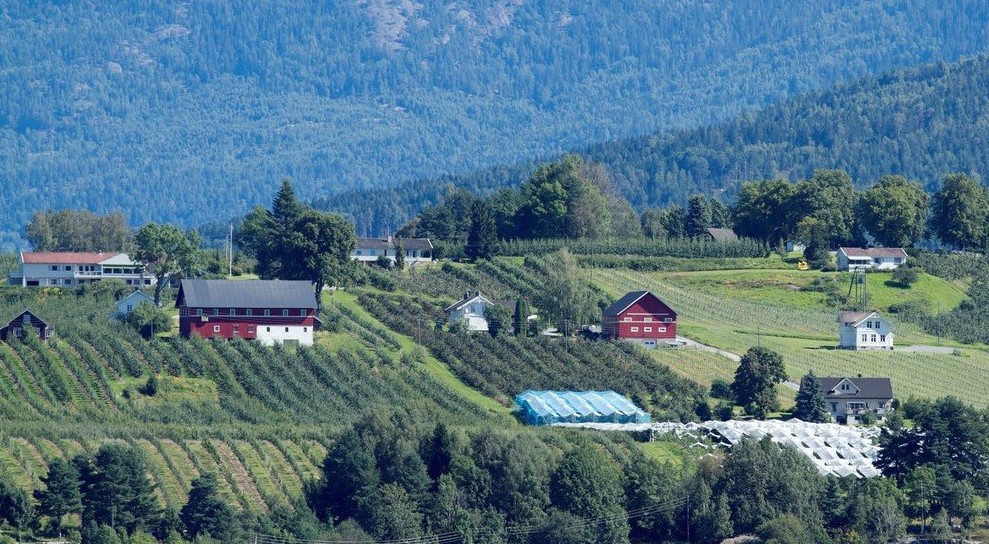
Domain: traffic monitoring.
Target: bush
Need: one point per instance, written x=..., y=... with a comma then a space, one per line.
x=721, y=389
x=905, y=276
x=151, y=388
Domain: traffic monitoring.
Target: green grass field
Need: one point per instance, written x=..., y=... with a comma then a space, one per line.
x=732, y=311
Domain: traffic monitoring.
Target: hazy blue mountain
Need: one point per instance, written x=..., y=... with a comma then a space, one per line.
x=194, y=111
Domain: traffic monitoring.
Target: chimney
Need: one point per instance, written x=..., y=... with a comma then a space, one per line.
x=391, y=238
x=466, y=295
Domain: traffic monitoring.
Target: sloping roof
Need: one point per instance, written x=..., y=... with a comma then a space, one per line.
x=854, y=318
x=144, y=297
x=391, y=243
x=246, y=294
x=873, y=252
x=19, y=317
x=545, y=407
x=629, y=299
x=869, y=388
x=73, y=257
x=722, y=235
x=468, y=298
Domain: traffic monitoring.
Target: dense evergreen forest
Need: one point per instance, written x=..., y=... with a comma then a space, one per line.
x=191, y=112
x=922, y=123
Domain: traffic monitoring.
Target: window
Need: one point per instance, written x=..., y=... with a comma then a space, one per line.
x=267, y=329
x=646, y=329
x=865, y=337
x=302, y=312
x=68, y=268
x=130, y=307
x=627, y=319
x=216, y=311
x=882, y=337
x=373, y=252
x=873, y=339
x=248, y=312
x=250, y=329
x=216, y=328
x=54, y=268
x=286, y=329
x=147, y=282
x=647, y=319
x=267, y=313
x=305, y=329
x=236, y=329
x=27, y=318
x=233, y=311
x=667, y=320
x=635, y=329
x=660, y=329
x=199, y=311
x=868, y=324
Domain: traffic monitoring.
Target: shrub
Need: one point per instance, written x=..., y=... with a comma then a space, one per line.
x=151, y=388
x=905, y=276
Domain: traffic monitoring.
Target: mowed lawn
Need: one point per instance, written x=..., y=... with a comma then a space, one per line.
x=737, y=313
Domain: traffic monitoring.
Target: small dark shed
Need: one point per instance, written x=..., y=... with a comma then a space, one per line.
x=24, y=323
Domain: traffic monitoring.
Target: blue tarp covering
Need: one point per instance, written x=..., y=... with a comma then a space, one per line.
x=548, y=407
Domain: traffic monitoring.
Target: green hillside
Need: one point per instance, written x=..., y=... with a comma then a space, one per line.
x=191, y=112
x=922, y=123
x=805, y=332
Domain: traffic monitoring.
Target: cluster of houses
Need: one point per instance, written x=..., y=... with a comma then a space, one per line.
x=284, y=312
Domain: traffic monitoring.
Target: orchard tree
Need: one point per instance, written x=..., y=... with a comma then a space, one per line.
x=894, y=211
x=755, y=381
x=811, y=406
x=165, y=251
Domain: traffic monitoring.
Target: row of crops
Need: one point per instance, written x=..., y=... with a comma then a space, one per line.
x=806, y=338
x=507, y=365
x=72, y=377
x=254, y=473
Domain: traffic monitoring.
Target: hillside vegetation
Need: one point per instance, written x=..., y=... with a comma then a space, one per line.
x=921, y=123
x=191, y=112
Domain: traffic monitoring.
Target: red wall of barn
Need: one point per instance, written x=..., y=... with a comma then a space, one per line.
x=646, y=307
x=192, y=324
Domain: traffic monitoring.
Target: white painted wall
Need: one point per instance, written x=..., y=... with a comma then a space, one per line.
x=269, y=335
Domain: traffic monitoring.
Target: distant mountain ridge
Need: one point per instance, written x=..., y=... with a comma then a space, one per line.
x=922, y=123
x=194, y=112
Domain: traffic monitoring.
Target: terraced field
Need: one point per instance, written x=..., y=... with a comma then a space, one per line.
x=806, y=336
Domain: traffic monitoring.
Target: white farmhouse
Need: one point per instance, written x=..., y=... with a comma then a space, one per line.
x=878, y=258
x=864, y=330
x=127, y=304
x=469, y=309
x=67, y=268
x=417, y=250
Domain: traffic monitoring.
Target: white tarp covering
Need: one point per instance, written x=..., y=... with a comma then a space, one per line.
x=835, y=449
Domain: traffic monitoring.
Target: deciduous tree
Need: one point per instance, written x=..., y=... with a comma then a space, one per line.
x=960, y=212
x=894, y=211
x=755, y=381
x=165, y=251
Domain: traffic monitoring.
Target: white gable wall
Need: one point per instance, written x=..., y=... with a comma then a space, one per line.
x=873, y=333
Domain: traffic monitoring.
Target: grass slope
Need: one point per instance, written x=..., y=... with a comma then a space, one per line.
x=723, y=310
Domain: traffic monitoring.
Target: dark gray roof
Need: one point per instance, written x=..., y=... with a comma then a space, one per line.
x=629, y=299
x=390, y=243
x=246, y=294
x=869, y=388
x=468, y=298
x=722, y=235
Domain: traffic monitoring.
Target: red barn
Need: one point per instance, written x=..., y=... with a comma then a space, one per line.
x=268, y=311
x=640, y=316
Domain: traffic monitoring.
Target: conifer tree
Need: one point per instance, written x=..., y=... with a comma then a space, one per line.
x=811, y=406
x=62, y=494
x=482, y=238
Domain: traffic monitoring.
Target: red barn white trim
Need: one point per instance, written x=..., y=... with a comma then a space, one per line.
x=640, y=316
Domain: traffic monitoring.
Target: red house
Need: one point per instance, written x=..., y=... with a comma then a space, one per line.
x=268, y=311
x=640, y=316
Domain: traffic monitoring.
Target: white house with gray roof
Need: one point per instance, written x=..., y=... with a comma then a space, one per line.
x=847, y=398
x=873, y=258
x=864, y=330
x=469, y=310
x=416, y=250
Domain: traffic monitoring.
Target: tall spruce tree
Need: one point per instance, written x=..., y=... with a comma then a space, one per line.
x=62, y=495
x=811, y=406
x=482, y=238
x=521, y=318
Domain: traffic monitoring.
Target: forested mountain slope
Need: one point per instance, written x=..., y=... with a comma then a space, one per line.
x=919, y=122
x=192, y=112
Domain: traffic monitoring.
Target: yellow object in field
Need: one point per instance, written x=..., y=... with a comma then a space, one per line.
x=802, y=265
